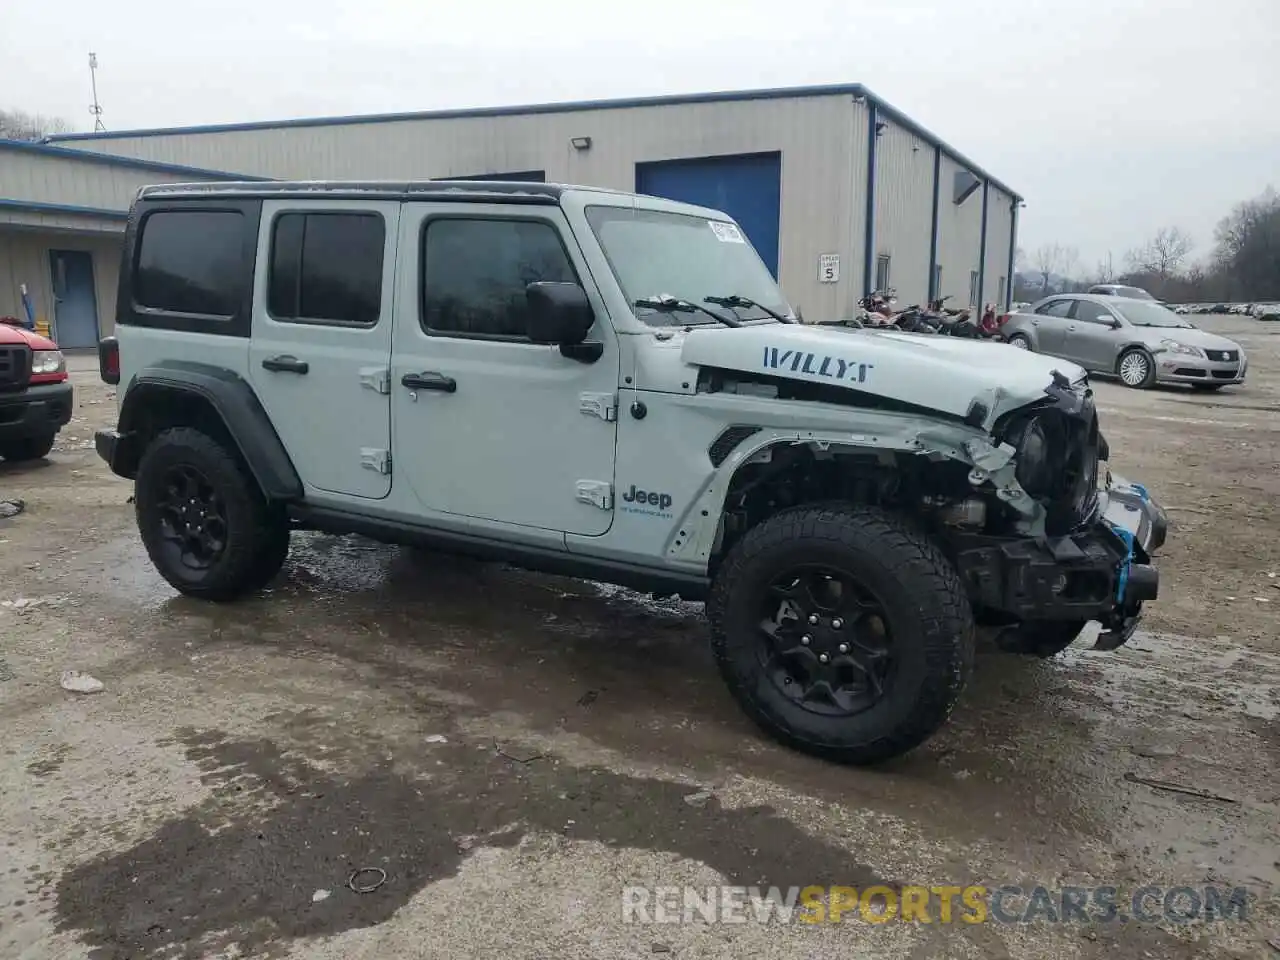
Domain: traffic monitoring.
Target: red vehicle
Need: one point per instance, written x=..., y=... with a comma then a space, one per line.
x=35, y=397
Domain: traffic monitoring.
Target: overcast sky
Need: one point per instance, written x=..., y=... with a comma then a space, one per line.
x=1112, y=117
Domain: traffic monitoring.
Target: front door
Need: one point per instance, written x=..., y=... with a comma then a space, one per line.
x=75, y=306
x=1092, y=340
x=321, y=345
x=485, y=424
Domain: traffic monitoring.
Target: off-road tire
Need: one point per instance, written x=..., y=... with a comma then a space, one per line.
x=1150, y=377
x=257, y=539
x=926, y=608
x=1042, y=639
x=26, y=448
x=1020, y=341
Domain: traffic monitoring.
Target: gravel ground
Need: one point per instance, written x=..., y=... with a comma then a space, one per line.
x=515, y=750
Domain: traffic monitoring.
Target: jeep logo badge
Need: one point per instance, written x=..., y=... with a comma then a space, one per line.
x=647, y=498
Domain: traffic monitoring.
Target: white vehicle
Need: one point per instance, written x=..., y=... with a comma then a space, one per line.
x=610, y=386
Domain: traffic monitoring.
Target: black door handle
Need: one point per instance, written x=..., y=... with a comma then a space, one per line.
x=285, y=364
x=430, y=381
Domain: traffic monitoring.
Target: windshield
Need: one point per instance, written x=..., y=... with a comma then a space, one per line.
x=654, y=253
x=1134, y=293
x=1145, y=314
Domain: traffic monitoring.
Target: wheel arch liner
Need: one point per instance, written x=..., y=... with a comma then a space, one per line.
x=235, y=404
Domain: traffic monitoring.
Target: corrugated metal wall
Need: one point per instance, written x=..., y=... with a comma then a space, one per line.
x=822, y=139
x=71, y=181
x=999, y=215
x=904, y=211
x=24, y=258
x=959, y=232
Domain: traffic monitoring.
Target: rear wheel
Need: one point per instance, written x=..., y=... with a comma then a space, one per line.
x=27, y=448
x=206, y=526
x=841, y=632
x=1020, y=341
x=1137, y=369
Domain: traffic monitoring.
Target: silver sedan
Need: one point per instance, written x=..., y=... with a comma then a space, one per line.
x=1139, y=341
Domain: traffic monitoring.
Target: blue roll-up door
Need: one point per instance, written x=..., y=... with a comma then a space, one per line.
x=748, y=188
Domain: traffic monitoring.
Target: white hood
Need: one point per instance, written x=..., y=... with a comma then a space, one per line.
x=941, y=373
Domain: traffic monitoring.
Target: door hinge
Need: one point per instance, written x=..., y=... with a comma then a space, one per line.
x=375, y=459
x=602, y=405
x=377, y=379
x=597, y=492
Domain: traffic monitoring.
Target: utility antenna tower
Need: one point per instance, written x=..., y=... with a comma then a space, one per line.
x=96, y=108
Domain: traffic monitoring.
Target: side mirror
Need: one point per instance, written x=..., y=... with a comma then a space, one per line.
x=1116, y=324
x=559, y=313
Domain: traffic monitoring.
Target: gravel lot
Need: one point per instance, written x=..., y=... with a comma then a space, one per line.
x=514, y=750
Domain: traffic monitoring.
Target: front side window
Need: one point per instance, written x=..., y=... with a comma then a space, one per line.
x=191, y=262
x=474, y=274
x=327, y=267
x=1091, y=312
x=653, y=253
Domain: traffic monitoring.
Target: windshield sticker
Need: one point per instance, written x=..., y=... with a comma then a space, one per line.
x=817, y=365
x=726, y=232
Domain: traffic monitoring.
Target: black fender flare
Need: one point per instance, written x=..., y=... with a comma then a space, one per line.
x=234, y=403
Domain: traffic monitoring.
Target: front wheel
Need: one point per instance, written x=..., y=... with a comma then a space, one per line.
x=1137, y=369
x=842, y=632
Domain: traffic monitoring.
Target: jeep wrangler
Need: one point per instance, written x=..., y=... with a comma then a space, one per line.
x=35, y=397
x=613, y=387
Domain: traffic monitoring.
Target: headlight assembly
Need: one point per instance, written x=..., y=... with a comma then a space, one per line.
x=1182, y=349
x=47, y=361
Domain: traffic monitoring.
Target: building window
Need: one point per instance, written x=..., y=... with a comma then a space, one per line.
x=327, y=267
x=1000, y=293
x=475, y=273
x=882, y=272
x=192, y=262
x=974, y=293
x=937, y=281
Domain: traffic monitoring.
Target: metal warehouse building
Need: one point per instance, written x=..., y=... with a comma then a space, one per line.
x=840, y=192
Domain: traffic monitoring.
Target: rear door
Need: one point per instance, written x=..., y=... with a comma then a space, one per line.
x=321, y=344
x=1092, y=341
x=1050, y=323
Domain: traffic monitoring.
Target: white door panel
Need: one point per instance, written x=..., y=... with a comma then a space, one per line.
x=321, y=343
x=493, y=428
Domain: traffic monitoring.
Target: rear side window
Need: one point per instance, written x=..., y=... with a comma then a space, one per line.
x=191, y=262
x=327, y=267
x=475, y=273
x=1058, y=308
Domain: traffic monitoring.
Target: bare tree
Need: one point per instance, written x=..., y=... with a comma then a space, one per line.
x=1047, y=260
x=1163, y=255
x=1106, y=269
x=20, y=125
x=1069, y=265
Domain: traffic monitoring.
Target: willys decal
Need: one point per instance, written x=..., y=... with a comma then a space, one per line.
x=816, y=364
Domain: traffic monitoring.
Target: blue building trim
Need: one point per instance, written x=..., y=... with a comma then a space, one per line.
x=855, y=90
x=869, y=235
x=129, y=163
x=1013, y=251
x=934, y=292
x=32, y=206
x=982, y=248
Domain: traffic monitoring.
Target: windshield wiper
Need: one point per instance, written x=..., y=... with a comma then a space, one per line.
x=734, y=302
x=669, y=304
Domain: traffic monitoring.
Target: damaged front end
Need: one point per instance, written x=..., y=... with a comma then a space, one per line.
x=1079, y=549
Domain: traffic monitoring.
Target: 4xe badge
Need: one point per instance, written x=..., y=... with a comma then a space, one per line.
x=815, y=364
x=648, y=502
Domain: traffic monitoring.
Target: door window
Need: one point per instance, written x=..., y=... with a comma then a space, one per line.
x=1093, y=312
x=1055, y=308
x=475, y=271
x=882, y=272
x=973, y=288
x=327, y=268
